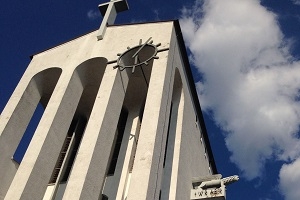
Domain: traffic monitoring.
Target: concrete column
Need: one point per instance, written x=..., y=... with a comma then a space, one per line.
x=13, y=123
x=33, y=175
x=114, y=185
x=147, y=169
x=89, y=169
x=127, y=150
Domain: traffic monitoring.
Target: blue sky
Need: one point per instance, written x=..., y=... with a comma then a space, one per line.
x=245, y=57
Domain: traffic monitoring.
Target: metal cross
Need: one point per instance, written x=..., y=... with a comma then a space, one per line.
x=109, y=12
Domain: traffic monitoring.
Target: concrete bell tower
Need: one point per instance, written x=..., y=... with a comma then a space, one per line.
x=120, y=120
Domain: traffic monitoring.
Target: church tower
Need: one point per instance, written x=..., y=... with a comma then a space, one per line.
x=120, y=118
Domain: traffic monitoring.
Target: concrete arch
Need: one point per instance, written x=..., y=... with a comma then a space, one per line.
x=17, y=116
x=45, y=82
x=90, y=73
x=86, y=80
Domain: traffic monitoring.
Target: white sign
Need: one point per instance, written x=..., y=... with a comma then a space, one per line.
x=209, y=194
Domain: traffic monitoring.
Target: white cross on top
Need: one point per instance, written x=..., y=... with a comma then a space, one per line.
x=109, y=12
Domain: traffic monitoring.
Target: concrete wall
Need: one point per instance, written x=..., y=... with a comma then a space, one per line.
x=186, y=153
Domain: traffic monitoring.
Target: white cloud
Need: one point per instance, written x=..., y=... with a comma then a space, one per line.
x=251, y=83
x=289, y=180
x=92, y=14
x=297, y=2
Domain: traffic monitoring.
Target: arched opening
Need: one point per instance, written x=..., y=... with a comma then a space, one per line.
x=20, y=118
x=90, y=74
x=173, y=131
x=39, y=91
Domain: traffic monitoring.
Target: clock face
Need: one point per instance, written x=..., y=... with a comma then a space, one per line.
x=137, y=56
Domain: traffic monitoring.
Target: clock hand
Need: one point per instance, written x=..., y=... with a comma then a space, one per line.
x=136, y=53
x=136, y=58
